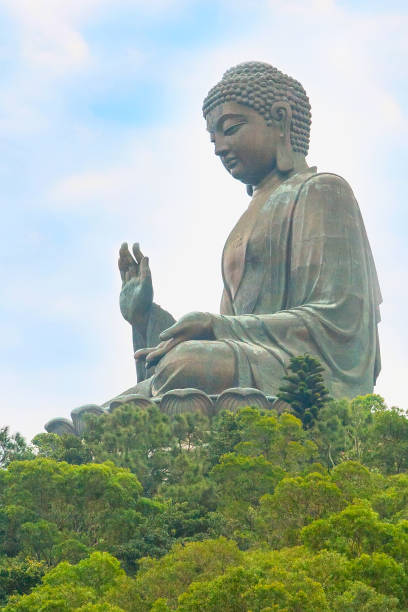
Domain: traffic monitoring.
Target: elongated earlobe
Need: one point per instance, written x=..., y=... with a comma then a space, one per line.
x=282, y=115
x=250, y=190
x=284, y=158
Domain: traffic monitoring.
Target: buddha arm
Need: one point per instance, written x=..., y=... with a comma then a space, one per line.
x=226, y=307
x=157, y=321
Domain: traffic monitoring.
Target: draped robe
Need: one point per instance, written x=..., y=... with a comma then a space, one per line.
x=299, y=278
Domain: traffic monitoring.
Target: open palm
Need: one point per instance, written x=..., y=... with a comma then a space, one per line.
x=136, y=296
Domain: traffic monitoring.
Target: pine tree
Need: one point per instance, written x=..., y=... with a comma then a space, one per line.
x=304, y=390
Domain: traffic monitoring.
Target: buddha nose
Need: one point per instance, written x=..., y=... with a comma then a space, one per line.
x=220, y=147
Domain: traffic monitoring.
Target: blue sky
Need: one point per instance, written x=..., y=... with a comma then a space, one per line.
x=102, y=140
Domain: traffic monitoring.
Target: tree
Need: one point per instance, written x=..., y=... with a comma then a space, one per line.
x=392, y=501
x=53, y=510
x=241, y=481
x=280, y=439
x=171, y=575
x=364, y=598
x=357, y=530
x=139, y=440
x=13, y=448
x=356, y=481
x=67, y=447
x=88, y=586
x=388, y=441
x=190, y=430
x=224, y=593
x=383, y=573
x=329, y=431
x=295, y=503
x=360, y=419
x=19, y=576
x=224, y=436
x=304, y=391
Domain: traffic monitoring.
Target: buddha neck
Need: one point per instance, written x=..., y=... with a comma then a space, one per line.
x=275, y=177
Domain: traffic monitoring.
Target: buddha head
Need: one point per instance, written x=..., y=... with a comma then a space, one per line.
x=259, y=120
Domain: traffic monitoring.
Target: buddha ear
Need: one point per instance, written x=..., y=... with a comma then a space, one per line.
x=281, y=113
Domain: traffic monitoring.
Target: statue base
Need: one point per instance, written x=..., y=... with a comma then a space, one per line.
x=173, y=402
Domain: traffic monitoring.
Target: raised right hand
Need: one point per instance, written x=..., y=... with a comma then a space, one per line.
x=136, y=297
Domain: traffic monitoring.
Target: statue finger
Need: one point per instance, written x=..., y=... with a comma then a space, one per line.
x=125, y=258
x=122, y=270
x=164, y=347
x=123, y=249
x=137, y=252
x=142, y=353
x=124, y=253
x=157, y=352
x=173, y=330
x=144, y=268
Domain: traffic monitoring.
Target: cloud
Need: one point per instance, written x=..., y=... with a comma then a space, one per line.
x=95, y=184
x=48, y=33
x=50, y=30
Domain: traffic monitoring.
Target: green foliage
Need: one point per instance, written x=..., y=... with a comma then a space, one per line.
x=243, y=479
x=53, y=510
x=13, y=448
x=392, y=501
x=215, y=575
x=67, y=448
x=225, y=435
x=171, y=575
x=244, y=511
x=357, y=530
x=135, y=439
x=281, y=440
x=382, y=572
x=304, y=390
x=388, y=447
x=364, y=598
x=19, y=576
x=356, y=481
x=85, y=586
x=365, y=430
x=295, y=503
x=224, y=593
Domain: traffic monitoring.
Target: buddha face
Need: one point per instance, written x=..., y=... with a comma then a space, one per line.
x=246, y=145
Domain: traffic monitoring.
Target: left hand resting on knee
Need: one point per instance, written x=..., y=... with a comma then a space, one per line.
x=192, y=326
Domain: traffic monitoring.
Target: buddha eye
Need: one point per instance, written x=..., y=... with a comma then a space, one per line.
x=232, y=129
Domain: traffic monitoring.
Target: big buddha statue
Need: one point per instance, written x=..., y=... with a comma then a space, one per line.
x=298, y=272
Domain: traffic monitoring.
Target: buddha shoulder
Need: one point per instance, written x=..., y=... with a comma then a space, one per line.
x=327, y=182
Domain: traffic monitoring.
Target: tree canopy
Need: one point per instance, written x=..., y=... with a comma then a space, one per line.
x=246, y=511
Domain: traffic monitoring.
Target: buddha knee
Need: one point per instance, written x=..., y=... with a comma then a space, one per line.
x=203, y=364
x=186, y=356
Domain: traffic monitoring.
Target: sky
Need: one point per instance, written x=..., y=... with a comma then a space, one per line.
x=102, y=141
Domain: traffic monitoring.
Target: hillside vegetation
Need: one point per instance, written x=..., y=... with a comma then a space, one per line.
x=252, y=511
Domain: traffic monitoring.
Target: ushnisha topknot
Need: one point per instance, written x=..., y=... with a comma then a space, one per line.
x=258, y=85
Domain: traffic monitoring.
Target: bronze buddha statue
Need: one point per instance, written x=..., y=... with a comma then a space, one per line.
x=298, y=272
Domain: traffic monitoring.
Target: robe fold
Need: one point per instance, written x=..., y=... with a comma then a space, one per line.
x=301, y=279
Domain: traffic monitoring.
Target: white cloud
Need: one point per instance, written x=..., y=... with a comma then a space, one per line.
x=49, y=30
x=48, y=35
x=165, y=189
